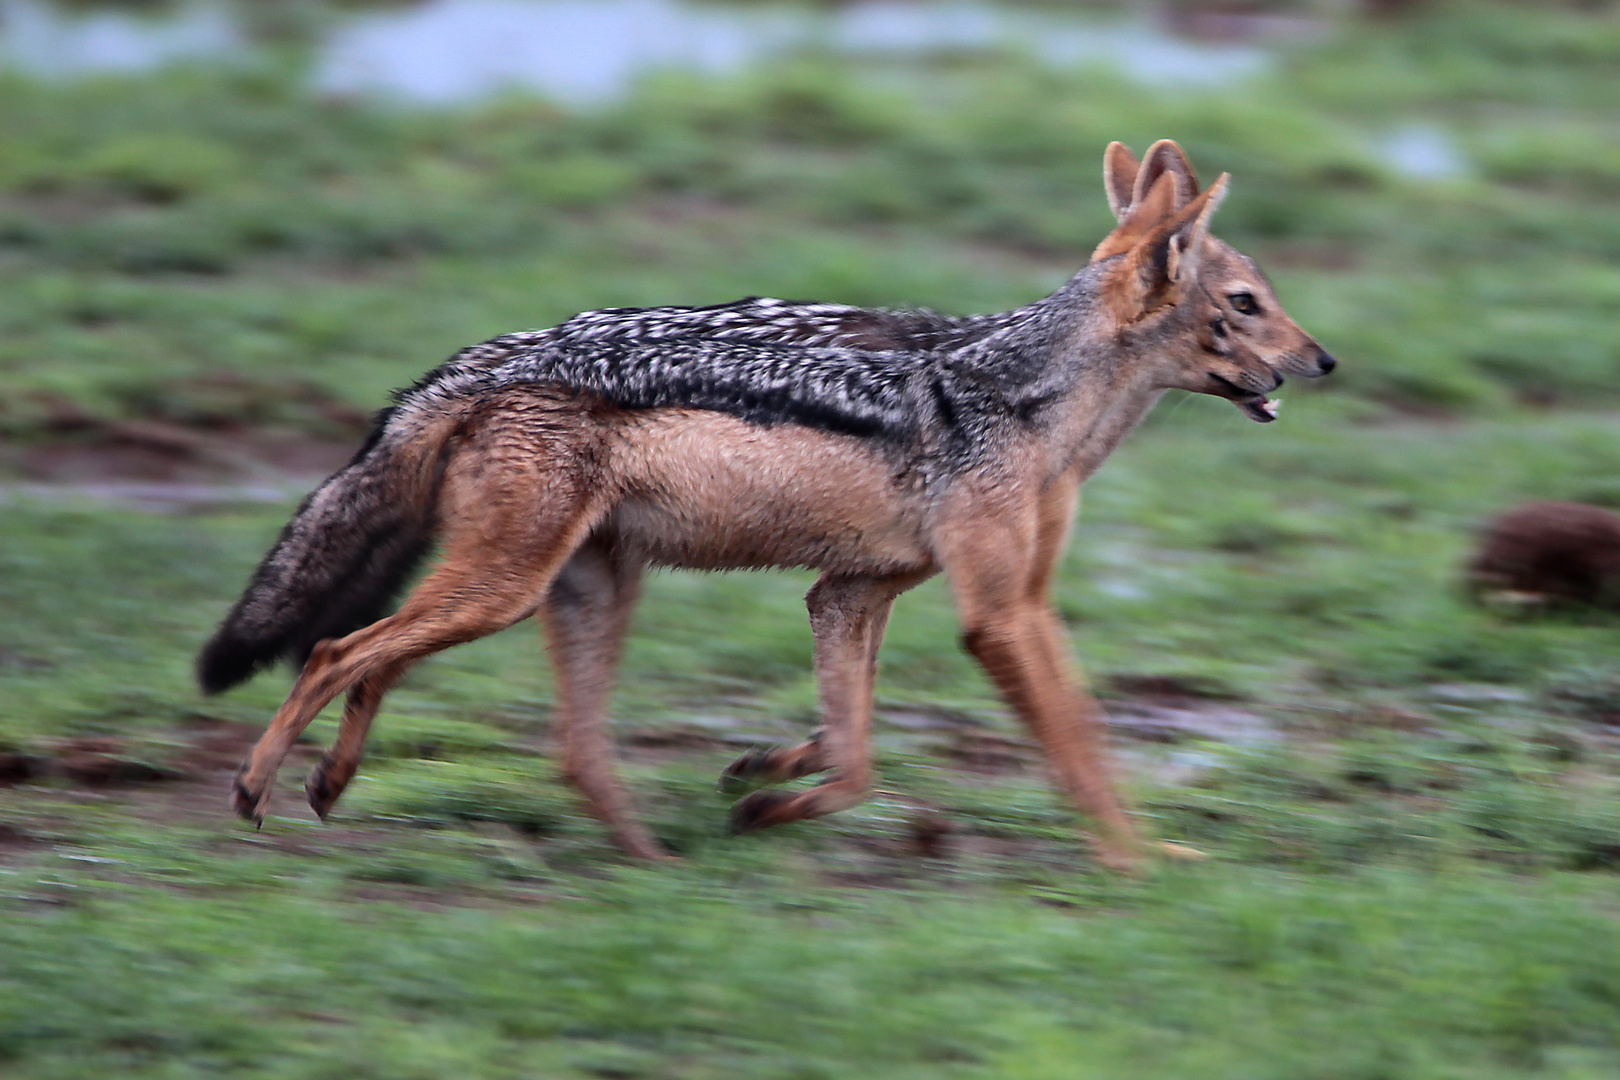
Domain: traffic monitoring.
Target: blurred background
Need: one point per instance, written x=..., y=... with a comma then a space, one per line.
x=229, y=229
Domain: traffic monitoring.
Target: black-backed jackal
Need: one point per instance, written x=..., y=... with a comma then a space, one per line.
x=877, y=447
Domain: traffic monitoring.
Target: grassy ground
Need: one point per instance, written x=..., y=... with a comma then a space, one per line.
x=1410, y=803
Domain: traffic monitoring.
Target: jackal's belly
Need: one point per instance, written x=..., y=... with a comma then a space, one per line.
x=705, y=491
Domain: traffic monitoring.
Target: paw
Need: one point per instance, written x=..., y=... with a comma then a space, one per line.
x=763, y=809
x=322, y=792
x=250, y=804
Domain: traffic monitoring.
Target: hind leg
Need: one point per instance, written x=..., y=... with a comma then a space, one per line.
x=779, y=764
x=339, y=764
x=848, y=617
x=585, y=615
x=447, y=609
x=509, y=537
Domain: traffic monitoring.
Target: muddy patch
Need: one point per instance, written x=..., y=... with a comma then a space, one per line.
x=106, y=762
x=1185, y=720
x=86, y=762
x=210, y=453
x=896, y=838
x=164, y=469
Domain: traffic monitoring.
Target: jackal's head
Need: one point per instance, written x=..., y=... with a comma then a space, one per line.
x=1189, y=303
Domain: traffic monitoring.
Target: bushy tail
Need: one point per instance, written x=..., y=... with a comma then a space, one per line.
x=342, y=558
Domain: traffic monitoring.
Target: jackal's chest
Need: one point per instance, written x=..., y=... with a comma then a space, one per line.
x=705, y=491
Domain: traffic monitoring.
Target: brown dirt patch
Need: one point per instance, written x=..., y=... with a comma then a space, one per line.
x=150, y=451
x=895, y=841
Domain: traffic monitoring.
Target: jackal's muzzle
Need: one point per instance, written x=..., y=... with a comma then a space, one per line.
x=1247, y=388
x=1245, y=391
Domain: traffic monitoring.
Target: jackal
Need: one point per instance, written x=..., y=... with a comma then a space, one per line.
x=877, y=447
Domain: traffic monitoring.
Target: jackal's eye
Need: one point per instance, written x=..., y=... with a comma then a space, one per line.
x=1243, y=303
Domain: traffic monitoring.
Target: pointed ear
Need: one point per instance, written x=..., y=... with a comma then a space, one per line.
x=1166, y=158
x=1144, y=215
x=1167, y=258
x=1120, y=167
x=1187, y=244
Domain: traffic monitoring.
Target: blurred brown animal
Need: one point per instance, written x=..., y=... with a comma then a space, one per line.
x=878, y=447
x=1549, y=553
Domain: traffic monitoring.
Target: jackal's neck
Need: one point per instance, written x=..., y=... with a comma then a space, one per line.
x=1096, y=418
x=1091, y=387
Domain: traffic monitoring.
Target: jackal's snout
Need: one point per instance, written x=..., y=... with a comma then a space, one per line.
x=1311, y=361
x=1258, y=333
x=1259, y=377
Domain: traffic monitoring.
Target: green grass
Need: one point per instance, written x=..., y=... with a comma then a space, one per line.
x=1410, y=883
x=1412, y=864
x=729, y=967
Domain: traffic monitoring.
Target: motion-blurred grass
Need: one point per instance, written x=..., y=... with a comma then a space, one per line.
x=159, y=232
x=1413, y=869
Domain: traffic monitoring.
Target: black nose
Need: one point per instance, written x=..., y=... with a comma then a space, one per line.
x=1325, y=361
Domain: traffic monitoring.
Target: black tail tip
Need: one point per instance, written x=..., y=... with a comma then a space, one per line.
x=226, y=661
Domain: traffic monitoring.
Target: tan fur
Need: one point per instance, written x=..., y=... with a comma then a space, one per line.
x=552, y=502
x=707, y=491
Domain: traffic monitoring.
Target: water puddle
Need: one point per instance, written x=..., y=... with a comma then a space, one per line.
x=1423, y=152
x=1190, y=721
x=62, y=43
x=592, y=50
x=443, y=52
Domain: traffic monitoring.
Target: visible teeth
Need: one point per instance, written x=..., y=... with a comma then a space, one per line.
x=1271, y=407
x=1259, y=409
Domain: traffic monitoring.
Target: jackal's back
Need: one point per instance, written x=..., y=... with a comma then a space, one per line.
x=859, y=371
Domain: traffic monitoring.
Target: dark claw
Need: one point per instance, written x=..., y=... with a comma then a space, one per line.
x=246, y=804
x=761, y=810
x=321, y=795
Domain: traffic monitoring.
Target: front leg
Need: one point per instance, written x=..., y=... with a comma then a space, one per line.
x=848, y=616
x=1023, y=654
x=1001, y=565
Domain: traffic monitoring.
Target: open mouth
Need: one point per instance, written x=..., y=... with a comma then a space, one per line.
x=1256, y=407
